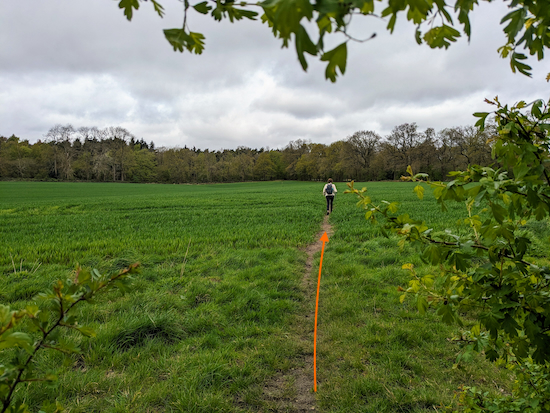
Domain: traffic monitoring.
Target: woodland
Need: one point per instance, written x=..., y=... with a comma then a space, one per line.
x=113, y=154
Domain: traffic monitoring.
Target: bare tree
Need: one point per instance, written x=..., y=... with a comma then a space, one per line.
x=471, y=143
x=402, y=141
x=359, y=150
x=61, y=137
x=120, y=150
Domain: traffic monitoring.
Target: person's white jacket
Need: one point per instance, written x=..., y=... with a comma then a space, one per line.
x=334, y=190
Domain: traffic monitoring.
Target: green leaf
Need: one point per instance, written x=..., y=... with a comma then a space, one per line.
x=459, y=260
x=158, y=8
x=446, y=313
x=392, y=207
x=520, y=170
x=324, y=24
x=422, y=304
x=464, y=7
x=515, y=64
x=428, y=280
x=365, y=6
x=441, y=36
x=540, y=211
x=198, y=42
x=249, y=14
x=391, y=23
x=180, y=40
x=510, y=325
x=286, y=15
x=128, y=6
x=419, y=190
x=432, y=254
x=531, y=329
x=491, y=354
x=536, y=108
x=203, y=7
x=481, y=122
x=336, y=58
x=490, y=321
x=12, y=339
x=499, y=212
x=304, y=44
x=87, y=331
x=418, y=35
x=517, y=22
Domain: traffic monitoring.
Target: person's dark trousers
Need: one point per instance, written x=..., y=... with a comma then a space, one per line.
x=330, y=199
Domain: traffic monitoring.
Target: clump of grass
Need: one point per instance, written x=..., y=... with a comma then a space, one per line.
x=138, y=332
x=33, y=269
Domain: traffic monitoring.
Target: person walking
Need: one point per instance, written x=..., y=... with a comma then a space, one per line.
x=329, y=190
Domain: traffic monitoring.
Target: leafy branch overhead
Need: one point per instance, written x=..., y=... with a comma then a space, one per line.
x=438, y=24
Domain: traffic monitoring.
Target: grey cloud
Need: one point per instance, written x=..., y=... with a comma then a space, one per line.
x=82, y=62
x=299, y=105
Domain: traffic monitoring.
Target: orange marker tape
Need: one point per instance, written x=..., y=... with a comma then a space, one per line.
x=324, y=238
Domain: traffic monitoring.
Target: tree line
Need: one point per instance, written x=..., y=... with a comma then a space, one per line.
x=113, y=154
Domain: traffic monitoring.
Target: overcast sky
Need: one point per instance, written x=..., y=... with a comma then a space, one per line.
x=81, y=62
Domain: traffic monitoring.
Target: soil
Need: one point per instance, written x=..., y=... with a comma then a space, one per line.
x=292, y=391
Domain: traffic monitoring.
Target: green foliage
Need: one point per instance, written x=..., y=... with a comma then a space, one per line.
x=531, y=392
x=526, y=25
x=180, y=40
x=129, y=5
x=362, y=155
x=23, y=333
x=336, y=58
x=490, y=270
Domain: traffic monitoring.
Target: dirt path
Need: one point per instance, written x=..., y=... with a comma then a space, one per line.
x=292, y=391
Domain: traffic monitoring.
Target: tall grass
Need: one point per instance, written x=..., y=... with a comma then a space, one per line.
x=212, y=316
x=205, y=324
x=378, y=355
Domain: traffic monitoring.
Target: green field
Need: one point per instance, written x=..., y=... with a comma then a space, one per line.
x=212, y=317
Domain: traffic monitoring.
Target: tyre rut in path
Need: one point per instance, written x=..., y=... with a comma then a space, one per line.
x=292, y=391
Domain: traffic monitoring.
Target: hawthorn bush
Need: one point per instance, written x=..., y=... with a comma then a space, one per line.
x=491, y=272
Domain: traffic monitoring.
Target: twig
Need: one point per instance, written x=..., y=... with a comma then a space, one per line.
x=35, y=267
x=13, y=263
x=372, y=36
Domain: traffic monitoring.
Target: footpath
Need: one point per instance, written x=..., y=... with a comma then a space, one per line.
x=292, y=391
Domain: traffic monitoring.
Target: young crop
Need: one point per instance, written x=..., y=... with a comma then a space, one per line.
x=213, y=335
x=196, y=337
x=23, y=333
x=491, y=271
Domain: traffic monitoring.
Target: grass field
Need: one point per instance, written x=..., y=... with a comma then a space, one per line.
x=211, y=318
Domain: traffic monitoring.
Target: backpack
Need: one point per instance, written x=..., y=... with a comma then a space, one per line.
x=328, y=189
